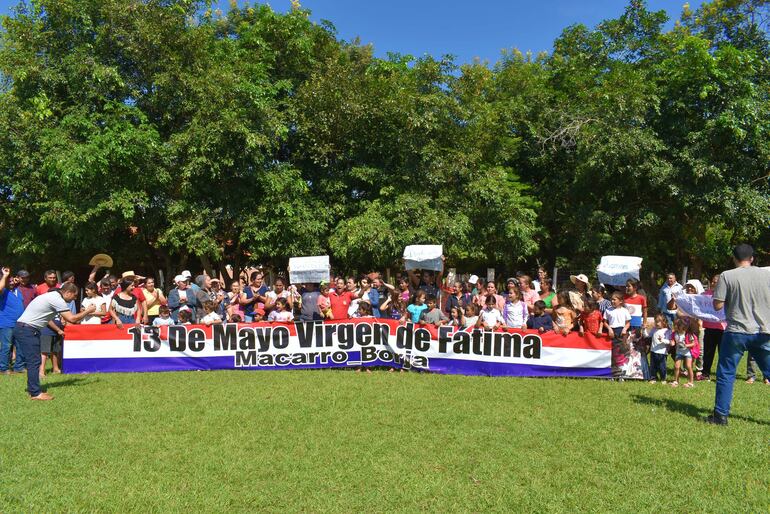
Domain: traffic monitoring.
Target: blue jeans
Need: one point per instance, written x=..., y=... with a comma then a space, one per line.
x=658, y=365
x=6, y=336
x=28, y=339
x=6, y=341
x=731, y=351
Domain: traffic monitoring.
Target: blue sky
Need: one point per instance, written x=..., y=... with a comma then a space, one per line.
x=461, y=28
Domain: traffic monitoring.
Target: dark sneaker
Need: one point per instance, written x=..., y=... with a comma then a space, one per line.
x=716, y=419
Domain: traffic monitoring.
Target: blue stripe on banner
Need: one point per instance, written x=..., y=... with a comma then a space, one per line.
x=437, y=365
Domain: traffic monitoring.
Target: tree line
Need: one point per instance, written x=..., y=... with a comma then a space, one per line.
x=171, y=135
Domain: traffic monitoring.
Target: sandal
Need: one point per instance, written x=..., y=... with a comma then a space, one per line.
x=689, y=384
x=674, y=384
x=750, y=380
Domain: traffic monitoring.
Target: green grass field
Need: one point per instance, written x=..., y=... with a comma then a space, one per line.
x=345, y=441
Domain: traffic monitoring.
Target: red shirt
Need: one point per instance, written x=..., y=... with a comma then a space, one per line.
x=636, y=308
x=340, y=304
x=592, y=322
x=43, y=288
x=28, y=293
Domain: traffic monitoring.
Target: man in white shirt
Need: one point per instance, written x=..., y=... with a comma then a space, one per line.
x=670, y=289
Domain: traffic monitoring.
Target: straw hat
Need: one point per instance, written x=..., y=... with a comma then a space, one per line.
x=580, y=278
x=102, y=260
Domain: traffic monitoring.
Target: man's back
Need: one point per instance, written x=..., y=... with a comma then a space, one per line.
x=746, y=293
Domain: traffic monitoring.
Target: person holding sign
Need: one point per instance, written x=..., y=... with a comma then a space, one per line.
x=744, y=292
x=712, y=334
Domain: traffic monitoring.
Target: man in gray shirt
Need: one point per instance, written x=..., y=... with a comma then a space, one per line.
x=744, y=292
x=39, y=312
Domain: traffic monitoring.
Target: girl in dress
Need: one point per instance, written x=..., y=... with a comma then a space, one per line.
x=281, y=312
x=684, y=341
x=515, y=312
x=471, y=315
x=94, y=298
x=564, y=314
x=456, y=317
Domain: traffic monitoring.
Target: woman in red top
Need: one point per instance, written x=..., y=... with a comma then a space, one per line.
x=340, y=300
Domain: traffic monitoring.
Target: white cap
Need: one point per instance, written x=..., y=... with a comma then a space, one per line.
x=180, y=278
x=696, y=284
x=186, y=273
x=473, y=279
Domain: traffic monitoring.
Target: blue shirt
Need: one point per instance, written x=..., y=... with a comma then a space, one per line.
x=416, y=311
x=248, y=310
x=666, y=292
x=11, y=307
x=537, y=322
x=374, y=298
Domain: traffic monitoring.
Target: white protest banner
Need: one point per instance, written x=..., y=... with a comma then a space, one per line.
x=309, y=270
x=700, y=306
x=424, y=257
x=614, y=270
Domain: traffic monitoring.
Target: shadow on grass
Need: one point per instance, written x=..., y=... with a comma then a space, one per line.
x=71, y=382
x=688, y=409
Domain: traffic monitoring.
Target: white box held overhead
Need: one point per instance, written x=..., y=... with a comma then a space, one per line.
x=309, y=270
x=424, y=257
x=614, y=270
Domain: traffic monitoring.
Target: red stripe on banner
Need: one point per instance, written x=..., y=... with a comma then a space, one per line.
x=550, y=339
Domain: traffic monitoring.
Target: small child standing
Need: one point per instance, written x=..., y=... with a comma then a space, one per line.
x=660, y=337
x=684, y=341
x=456, y=318
x=471, y=315
x=184, y=317
x=280, y=312
x=564, y=314
x=490, y=318
x=432, y=315
x=515, y=312
x=211, y=317
x=324, y=302
x=539, y=320
x=591, y=319
x=397, y=308
x=94, y=298
x=617, y=320
x=164, y=317
x=364, y=310
x=597, y=293
x=414, y=310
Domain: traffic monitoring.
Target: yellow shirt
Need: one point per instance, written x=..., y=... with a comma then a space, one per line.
x=153, y=302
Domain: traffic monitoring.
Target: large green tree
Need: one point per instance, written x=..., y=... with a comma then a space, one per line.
x=173, y=136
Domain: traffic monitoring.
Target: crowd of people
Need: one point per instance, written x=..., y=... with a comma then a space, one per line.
x=417, y=296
